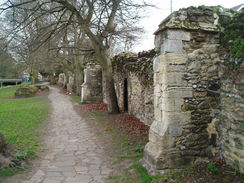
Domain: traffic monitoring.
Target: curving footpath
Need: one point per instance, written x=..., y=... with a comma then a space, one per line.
x=74, y=155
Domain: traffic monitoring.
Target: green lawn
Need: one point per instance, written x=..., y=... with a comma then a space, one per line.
x=20, y=119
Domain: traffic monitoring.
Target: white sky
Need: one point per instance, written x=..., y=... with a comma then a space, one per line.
x=155, y=16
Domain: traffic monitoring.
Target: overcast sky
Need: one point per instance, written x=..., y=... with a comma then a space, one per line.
x=155, y=16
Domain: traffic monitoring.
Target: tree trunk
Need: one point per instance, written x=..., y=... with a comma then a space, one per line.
x=106, y=65
x=110, y=93
x=103, y=58
x=79, y=79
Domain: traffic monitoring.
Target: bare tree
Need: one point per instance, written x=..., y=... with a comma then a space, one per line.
x=98, y=19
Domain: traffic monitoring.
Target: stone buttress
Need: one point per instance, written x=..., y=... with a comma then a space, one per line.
x=91, y=89
x=184, y=70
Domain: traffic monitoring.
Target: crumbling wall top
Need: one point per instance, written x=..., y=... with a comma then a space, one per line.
x=192, y=18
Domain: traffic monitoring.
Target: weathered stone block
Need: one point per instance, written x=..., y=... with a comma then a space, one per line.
x=91, y=89
x=174, y=79
x=157, y=90
x=158, y=40
x=172, y=104
x=169, y=63
x=157, y=114
x=175, y=130
x=172, y=46
x=178, y=35
x=178, y=92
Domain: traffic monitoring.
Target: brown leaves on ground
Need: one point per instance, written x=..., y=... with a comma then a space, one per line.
x=132, y=124
x=95, y=107
x=124, y=121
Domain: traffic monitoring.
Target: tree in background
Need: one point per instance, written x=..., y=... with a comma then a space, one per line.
x=8, y=65
x=99, y=20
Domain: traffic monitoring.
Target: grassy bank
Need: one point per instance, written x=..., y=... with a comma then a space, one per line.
x=20, y=119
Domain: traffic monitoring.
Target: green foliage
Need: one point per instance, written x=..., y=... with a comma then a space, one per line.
x=10, y=171
x=237, y=50
x=21, y=155
x=24, y=155
x=232, y=38
x=142, y=173
x=212, y=168
x=191, y=25
x=146, y=178
x=139, y=149
x=9, y=67
x=127, y=143
x=112, y=177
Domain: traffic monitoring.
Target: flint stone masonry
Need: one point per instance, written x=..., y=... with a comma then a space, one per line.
x=230, y=124
x=91, y=89
x=198, y=96
x=186, y=44
x=139, y=97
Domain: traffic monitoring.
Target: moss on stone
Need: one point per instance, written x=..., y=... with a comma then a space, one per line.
x=141, y=64
x=191, y=25
x=189, y=107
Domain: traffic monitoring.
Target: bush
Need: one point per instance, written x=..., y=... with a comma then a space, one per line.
x=212, y=168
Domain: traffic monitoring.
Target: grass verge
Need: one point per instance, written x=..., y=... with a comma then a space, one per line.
x=19, y=122
x=75, y=99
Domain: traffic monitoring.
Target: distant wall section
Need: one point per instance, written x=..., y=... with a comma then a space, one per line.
x=134, y=84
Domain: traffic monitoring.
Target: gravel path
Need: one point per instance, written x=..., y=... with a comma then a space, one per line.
x=74, y=155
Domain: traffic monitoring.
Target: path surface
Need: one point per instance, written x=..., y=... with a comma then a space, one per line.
x=74, y=155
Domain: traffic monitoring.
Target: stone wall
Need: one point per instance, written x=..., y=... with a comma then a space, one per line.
x=134, y=92
x=231, y=121
x=62, y=80
x=71, y=84
x=67, y=81
x=198, y=95
x=92, y=89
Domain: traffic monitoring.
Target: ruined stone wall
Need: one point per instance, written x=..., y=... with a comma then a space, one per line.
x=127, y=71
x=91, y=89
x=198, y=106
x=71, y=84
x=62, y=80
x=140, y=97
x=67, y=81
x=231, y=120
x=184, y=73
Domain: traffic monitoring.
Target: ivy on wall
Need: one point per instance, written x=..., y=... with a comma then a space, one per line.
x=232, y=36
